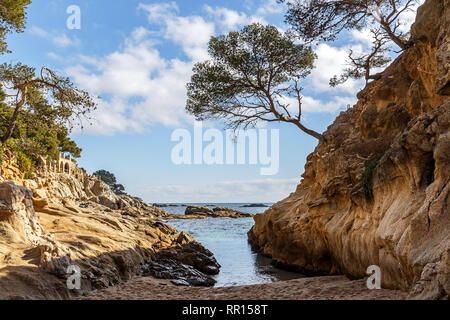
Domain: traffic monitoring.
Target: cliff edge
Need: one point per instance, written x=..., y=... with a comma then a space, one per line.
x=377, y=192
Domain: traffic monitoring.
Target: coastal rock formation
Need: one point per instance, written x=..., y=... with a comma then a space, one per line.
x=188, y=262
x=255, y=205
x=57, y=220
x=377, y=191
x=197, y=210
x=200, y=212
x=49, y=187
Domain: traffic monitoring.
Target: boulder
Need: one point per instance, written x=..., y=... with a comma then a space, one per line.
x=188, y=262
x=198, y=210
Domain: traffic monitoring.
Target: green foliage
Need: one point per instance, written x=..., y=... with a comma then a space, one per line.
x=49, y=97
x=2, y=148
x=110, y=179
x=106, y=176
x=249, y=77
x=12, y=19
x=37, y=114
x=37, y=134
x=118, y=188
x=326, y=19
x=23, y=161
x=28, y=175
x=67, y=145
x=367, y=177
x=39, y=127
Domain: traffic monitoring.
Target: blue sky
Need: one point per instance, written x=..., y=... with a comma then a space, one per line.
x=138, y=56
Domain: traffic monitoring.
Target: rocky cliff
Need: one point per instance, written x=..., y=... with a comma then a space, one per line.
x=377, y=192
x=57, y=220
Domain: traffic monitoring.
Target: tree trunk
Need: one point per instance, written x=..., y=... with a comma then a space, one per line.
x=12, y=122
x=313, y=133
x=394, y=37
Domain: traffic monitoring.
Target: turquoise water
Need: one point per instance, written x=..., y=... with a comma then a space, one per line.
x=227, y=239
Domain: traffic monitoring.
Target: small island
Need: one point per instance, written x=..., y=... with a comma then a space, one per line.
x=255, y=205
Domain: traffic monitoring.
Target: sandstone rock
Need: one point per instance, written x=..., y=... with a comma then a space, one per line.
x=223, y=209
x=108, y=245
x=24, y=224
x=434, y=282
x=17, y=212
x=107, y=202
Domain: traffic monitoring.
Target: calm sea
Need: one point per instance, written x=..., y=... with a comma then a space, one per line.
x=227, y=239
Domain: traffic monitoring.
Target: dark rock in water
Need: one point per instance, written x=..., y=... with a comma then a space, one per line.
x=197, y=210
x=255, y=205
x=192, y=254
x=159, y=205
x=188, y=262
x=217, y=212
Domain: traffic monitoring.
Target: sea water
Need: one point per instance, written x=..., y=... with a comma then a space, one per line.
x=227, y=239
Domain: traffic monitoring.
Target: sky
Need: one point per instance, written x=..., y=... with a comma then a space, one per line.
x=137, y=57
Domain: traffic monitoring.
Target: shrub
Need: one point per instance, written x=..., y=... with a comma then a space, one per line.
x=1, y=154
x=23, y=161
x=367, y=177
x=28, y=175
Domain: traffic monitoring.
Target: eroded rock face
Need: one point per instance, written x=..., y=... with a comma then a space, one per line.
x=41, y=237
x=334, y=223
x=19, y=224
x=60, y=188
x=187, y=262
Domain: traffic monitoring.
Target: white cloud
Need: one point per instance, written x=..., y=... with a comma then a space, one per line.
x=313, y=105
x=142, y=87
x=159, y=11
x=192, y=33
x=58, y=39
x=270, y=7
x=262, y=190
x=409, y=17
x=54, y=56
x=229, y=20
x=363, y=36
x=338, y=103
x=332, y=61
